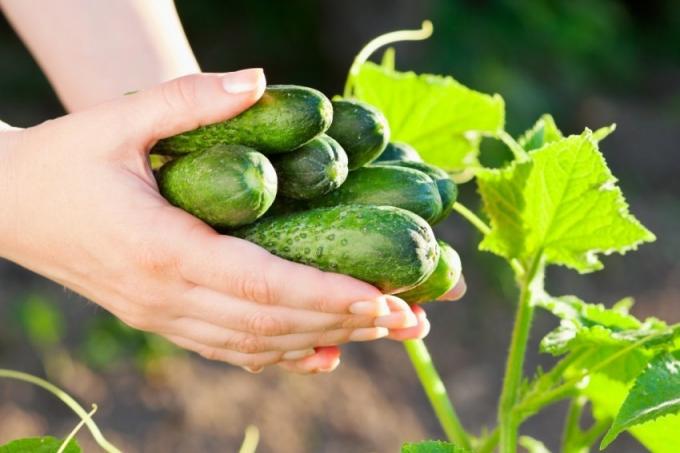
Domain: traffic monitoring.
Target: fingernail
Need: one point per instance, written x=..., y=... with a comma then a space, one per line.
x=368, y=334
x=297, y=355
x=331, y=367
x=377, y=307
x=399, y=320
x=244, y=81
x=253, y=369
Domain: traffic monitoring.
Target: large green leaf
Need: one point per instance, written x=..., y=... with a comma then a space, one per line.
x=544, y=131
x=606, y=395
x=441, y=118
x=656, y=393
x=45, y=444
x=563, y=202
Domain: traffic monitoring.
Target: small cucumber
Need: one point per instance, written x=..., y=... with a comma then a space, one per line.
x=285, y=118
x=399, y=151
x=388, y=247
x=226, y=186
x=381, y=185
x=312, y=170
x=448, y=190
x=361, y=130
x=442, y=280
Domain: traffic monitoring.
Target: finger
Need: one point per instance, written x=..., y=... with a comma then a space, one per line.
x=457, y=292
x=270, y=320
x=249, y=343
x=188, y=102
x=401, y=316
x=324, y=361
x=224, y=355
x=234, y=266
x=413, y=333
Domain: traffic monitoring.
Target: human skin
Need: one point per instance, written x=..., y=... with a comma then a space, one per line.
x=78, y=203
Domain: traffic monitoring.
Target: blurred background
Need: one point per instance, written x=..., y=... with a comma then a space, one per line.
x=590, y=63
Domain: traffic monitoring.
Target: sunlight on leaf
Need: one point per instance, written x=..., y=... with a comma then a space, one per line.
x=39, y=445
x=438, y=116
x=432, y=446
x=563, y=202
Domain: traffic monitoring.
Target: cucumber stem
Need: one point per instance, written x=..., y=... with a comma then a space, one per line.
x=66, y=399
x=436, y=393
x=388, y=38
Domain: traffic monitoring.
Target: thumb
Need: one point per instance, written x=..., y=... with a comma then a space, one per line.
x=185, y=103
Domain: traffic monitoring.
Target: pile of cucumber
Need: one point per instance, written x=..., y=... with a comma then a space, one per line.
x=319, y=183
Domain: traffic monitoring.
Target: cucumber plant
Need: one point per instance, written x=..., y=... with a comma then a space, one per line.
x=555, y=204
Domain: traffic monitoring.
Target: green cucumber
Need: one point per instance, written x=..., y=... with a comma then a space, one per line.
x=399, y=151
x=381, y=185
x=312, y=170
x=361, y=130
x=388, y=247
x=448, y=190
x=285, y=118
x=226, y=186
x=442, y=280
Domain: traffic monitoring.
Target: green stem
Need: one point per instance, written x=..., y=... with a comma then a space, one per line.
x=436, y=392
x=590, y=436
x=484, y=229
x=518, y=152
x=66, y=399
x=75, y=430
x=472, y=218
x=490, y=442
x=251, y=439
x=508, y=418
x=572, y=429
x=388, y=38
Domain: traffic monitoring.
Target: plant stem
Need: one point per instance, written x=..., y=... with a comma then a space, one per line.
x=489, y=443
x=508, y=419
x=517, y=151
x=75, y=430
x=251, y=439
x=436, y=392
x=572, y=429
x=388, y=38
x=472, y=218
x=68, y=400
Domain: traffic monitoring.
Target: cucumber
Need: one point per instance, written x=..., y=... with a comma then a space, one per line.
x=399, y=151
x=448, y=190
x=361, y=130
x=381, y=185
x=226, y=186
x=442, y=280
x=285, y=118
x=388, y=247
x=312, y=170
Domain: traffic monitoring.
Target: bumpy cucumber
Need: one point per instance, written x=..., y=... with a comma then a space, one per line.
x=448, y=190
x=399, y=151
x=312, y=170
x=285, y=118
x=361, y=130
x=387, y=186
x=226, y=186
x=443, y=279
x=388, y=247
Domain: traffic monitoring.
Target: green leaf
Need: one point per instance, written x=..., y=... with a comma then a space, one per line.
x=563, y=203
x=533, y=445
x=441, y=118
x=544, y=131
x=606, y=395
x=432, y=446
x=656, y=393
x=45, y=444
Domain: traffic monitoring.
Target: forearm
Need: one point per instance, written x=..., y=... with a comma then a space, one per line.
x=8, y=137
x=95, y=51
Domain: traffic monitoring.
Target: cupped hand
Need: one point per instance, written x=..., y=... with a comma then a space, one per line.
x=79, y=205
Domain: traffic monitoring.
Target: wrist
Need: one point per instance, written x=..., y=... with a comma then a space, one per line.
x=8, y=192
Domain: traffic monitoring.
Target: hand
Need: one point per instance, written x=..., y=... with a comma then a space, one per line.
x=79, y=205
